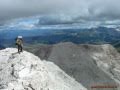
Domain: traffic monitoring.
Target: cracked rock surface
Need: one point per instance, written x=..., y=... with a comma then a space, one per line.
x=26, y=71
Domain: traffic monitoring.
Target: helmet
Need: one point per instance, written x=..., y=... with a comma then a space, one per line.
x=20, y=37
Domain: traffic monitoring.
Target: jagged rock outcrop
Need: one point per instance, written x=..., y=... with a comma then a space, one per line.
x=27, y=72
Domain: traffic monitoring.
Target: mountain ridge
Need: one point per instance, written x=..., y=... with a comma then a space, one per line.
x=88, y=64
x=27, y=72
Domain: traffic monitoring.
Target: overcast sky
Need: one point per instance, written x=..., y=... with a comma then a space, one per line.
x=70, y=10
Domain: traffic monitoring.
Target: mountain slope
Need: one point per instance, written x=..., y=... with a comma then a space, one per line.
x=108, y=59
x=86, y=63
x=78, y=62
x=27, y=72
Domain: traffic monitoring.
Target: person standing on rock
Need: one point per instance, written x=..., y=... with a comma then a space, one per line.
x=19, y=43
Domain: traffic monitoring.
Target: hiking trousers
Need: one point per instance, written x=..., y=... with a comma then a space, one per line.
x=20, y=48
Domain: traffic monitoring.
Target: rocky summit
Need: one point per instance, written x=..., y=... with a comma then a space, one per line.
x=26, y=71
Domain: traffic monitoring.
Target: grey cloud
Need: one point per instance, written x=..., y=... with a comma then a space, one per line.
x=68, y=10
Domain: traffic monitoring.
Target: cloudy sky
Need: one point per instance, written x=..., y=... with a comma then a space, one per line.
x=62, y=11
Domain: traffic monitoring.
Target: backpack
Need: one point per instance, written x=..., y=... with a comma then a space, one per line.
x=18, y=41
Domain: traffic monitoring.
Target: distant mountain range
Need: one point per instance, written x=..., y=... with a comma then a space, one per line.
x=100, y=35
x=2, y=47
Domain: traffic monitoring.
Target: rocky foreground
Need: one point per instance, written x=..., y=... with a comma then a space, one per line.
x=26, y=71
